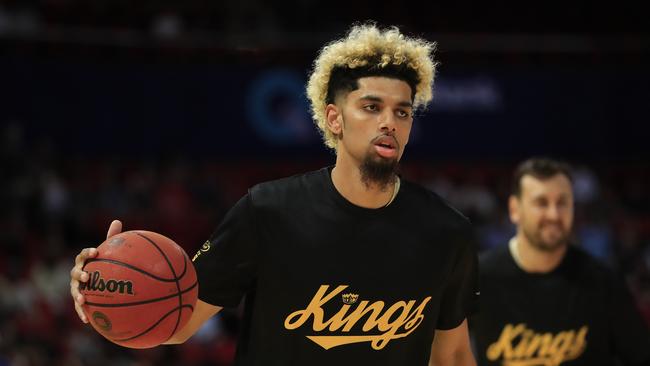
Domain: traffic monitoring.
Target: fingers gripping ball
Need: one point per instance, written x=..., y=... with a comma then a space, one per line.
x=142, y=289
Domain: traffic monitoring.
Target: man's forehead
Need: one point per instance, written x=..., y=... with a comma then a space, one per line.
x=382, y=88
x=558, y=184
x=367, y=81
x=376, y=98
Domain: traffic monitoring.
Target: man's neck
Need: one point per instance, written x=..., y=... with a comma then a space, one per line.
x=534, y=260
x=347, y=181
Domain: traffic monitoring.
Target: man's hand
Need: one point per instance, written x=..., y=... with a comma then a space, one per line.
x=77, y=275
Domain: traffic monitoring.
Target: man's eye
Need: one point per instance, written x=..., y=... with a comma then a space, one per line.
x=370, y=107
x=403, y=114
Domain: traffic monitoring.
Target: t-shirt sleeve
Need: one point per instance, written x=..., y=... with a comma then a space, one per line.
x=630, y=336
x=226, y=264
x=460, y=296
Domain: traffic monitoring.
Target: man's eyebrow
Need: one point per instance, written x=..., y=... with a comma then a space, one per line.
x=374, y=98
x=371, y=98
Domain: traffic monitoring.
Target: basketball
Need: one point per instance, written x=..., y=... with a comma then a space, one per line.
x=142, y=289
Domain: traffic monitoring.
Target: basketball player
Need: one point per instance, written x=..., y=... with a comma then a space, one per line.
x=348, y=264
x=544, y=301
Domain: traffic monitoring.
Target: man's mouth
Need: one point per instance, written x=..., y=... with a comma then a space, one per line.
x=386, y=146
x=552, y=225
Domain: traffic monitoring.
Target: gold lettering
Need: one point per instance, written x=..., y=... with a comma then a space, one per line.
x=360, y=311
x=400, y=315
x=390, y=329
x=503, y=347
x=579, y=345
x=416, y=317
x=519, y=346
x=539, y=343
x=520, y=349
x=545, y=341
x=561, y=344
x=314, y=308
x=338, y=320
x=204, y=248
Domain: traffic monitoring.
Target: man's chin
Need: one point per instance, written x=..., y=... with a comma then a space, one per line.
x=380, y=171
x=551, y=245
x=378, y=159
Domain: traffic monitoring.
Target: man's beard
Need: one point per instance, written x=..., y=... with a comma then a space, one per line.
x=536, y=240
x=379, y=172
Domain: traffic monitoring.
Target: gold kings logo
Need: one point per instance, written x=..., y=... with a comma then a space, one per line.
x=383, y=322
x=520, y=346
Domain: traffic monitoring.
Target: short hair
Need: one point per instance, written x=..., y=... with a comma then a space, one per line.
x=369, y=51
x=540, y=168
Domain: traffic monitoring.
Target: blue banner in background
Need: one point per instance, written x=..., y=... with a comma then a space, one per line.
x=246, y=112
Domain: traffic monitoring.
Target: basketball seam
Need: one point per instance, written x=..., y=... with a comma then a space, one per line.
x=178, y=286
x=180, y=308
x=103, y=305
x=128, y=266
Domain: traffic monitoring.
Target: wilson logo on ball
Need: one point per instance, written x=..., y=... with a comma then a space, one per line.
x=97, y=283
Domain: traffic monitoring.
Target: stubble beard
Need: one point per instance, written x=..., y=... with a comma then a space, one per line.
x=378, y=171
x=538, y=242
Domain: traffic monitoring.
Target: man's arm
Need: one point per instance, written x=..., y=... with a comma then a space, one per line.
x=202, y=312
x=452, y=348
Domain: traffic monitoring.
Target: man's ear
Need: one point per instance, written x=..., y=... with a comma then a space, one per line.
x=334, y=119
x=513, y=209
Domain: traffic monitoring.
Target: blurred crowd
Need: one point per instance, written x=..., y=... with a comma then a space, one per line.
x=277, y=20
x=55, y=204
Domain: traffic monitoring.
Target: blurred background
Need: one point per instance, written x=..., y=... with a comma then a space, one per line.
x=163, y=113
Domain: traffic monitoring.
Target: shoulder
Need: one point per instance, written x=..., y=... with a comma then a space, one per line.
x=587, y=268
x=276, y=192
x=495, y=260
x=436, y=208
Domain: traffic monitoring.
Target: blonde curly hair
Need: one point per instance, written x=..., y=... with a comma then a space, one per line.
x=368, y=47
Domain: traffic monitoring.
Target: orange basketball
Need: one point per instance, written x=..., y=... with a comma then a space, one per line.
x=142, y=289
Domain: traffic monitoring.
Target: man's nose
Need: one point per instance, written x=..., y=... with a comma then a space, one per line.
x=387, y=121
x=552, y=212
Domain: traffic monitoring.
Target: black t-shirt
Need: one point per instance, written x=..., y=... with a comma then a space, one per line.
x=578, y=314
x=330, y=283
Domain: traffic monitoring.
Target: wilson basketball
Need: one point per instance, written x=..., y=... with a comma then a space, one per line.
x=142, y=289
